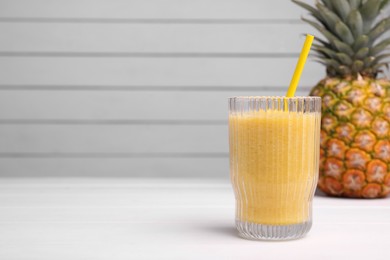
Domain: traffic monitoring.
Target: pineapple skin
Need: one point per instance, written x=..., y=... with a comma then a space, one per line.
x=355, y=137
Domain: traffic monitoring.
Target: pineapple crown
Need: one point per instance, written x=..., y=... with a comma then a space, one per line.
x=352, y=30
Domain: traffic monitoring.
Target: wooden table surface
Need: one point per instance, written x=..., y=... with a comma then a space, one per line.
x=169, y=219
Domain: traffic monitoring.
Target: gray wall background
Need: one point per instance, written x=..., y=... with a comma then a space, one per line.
x=136, y=87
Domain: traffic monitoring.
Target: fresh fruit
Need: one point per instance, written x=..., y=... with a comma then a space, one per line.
x=355, y=128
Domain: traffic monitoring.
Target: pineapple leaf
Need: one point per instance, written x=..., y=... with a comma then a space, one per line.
x=355, y=23
x=344, y=58
x=355, y=4
x=342, y=8
x=324, y=43
x=380, y=46
x=363, y=52
x=379, y=29
x=344, y=70
x=330, y=18
x=329, y=63
x=319, y=56
x=351, y=44
x=383, y=4
x=333, y=67
x=322, y=49
x=361, y=42
x=326, y=53
x=322, y=30
x=369, y=11
x=379, y=65
x=327, y=3
x=357, y=66
x=311, y=9
x=343, y=47
x=331, y=72
x=344, y=33
x=380, y=58
x=368, y=61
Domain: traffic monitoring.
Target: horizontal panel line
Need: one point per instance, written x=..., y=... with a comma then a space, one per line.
x=108, y=122
x=164, y=223
x=113, y=155
x=146, y=88
x=78, y=187
x=147, y=20
x=145, y=54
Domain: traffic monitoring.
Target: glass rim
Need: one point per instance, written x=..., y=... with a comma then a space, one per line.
x=274, y=97
x=306, y=104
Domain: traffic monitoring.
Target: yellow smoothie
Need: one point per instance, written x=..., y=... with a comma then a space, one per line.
x=274, y=165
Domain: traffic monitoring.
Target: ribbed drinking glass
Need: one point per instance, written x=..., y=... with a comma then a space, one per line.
x=274, y=156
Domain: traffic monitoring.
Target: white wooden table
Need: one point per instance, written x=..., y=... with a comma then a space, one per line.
x=169, y=219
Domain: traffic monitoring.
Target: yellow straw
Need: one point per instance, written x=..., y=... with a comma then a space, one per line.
x=300, y=64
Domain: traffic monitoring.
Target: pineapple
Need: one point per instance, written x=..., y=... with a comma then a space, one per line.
x=355, y=128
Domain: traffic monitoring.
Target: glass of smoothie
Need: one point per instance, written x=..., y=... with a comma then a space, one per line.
x=274, y=156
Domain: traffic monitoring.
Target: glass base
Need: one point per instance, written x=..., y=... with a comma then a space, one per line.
x=255, y=231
